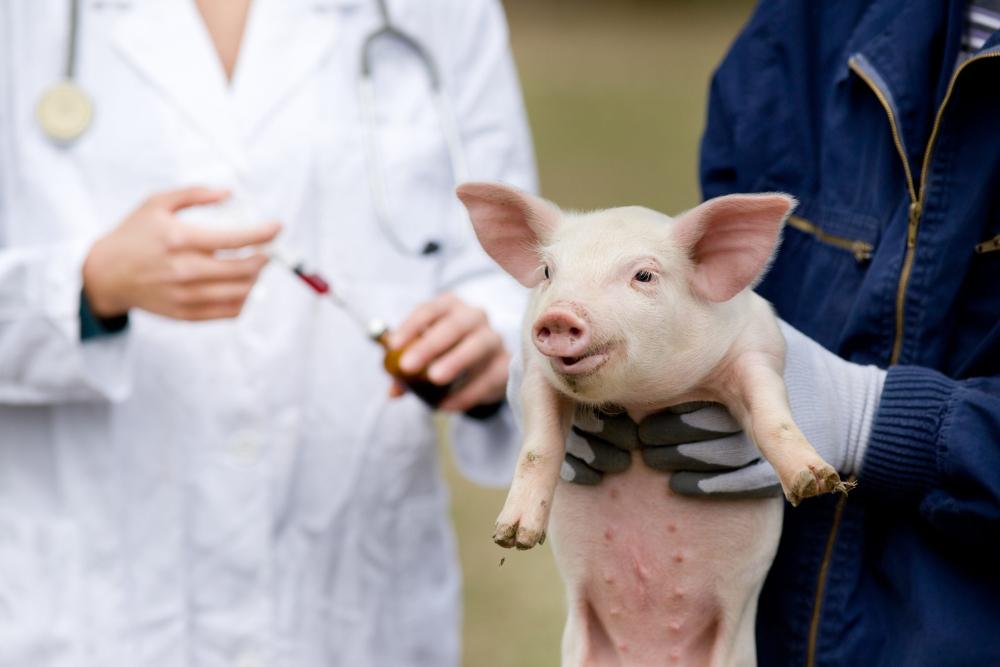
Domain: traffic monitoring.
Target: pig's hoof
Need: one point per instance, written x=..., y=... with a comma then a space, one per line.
x=505, y=534
x=803, y=486
x=529, y=538
x=510, y=535
x=827, y=479
x=815, y=481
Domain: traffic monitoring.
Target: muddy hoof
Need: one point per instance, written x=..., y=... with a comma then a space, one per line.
x=529, y=538
x=815, y=481
x=827, y=478
x=804, y=485
x=505, y=534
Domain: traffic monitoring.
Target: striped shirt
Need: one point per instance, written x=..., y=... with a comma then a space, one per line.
x=981, y=20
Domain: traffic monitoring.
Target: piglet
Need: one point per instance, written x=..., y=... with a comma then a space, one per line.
x=635, y=311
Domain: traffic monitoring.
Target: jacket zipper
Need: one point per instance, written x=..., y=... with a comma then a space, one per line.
x=913, y=223
x=916, y=196
x=862, y=251
x=824, y=567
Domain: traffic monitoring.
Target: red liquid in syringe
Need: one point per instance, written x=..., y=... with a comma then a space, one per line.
x=314, y=280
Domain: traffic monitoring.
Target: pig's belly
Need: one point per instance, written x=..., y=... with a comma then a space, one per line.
x=657, y=578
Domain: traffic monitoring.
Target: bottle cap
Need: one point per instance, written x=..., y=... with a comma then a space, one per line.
x=376, y=329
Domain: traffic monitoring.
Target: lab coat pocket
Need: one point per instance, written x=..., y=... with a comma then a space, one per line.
x=40, y=595
x=428, y=585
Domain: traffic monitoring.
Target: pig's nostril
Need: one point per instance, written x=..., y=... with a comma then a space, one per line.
x=575, y=332
x=544, y=333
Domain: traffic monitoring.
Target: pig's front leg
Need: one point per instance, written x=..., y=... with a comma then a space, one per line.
x=767, y=417
x=547, y=418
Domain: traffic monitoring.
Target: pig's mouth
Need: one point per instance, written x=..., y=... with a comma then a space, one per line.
x=587, y=363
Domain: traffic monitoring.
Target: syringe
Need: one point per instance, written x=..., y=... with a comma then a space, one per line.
x=321, y=286
x=375, y=329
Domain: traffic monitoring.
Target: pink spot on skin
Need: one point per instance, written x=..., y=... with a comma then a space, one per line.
x=615, y=493
x=678, y=593
x=671, y=528
x=675, y=625
x=609, y=534
x=675, y=655
x=623, y=648
x=609, y=579
x=615, y=611
x=679, y=557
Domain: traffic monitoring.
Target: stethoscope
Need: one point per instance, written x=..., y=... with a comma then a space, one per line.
x=64, y=112
x=445, y=113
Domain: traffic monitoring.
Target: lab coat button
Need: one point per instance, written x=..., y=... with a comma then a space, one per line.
x=245, y=447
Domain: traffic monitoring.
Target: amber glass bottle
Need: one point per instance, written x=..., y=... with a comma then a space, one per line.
x=430, y=393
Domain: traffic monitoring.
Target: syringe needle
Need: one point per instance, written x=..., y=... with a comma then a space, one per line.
x=322, y=287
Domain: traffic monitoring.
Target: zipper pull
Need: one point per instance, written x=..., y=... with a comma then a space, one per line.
x=914, y=221
x=862, y=251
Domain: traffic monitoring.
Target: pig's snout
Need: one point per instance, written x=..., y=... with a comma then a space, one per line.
x=560, y=333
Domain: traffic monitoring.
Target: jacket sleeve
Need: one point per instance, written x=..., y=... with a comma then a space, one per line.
x=935, y=447
x=725, y=142
x=490, y=113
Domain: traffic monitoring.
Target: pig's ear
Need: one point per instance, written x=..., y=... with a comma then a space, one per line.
x=510, y=225
x=731, y=239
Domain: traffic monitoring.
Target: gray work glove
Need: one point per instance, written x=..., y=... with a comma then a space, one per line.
x=695, y=441
x=833, y=401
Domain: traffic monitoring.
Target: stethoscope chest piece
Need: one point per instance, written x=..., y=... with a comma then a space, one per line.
x=64, y=112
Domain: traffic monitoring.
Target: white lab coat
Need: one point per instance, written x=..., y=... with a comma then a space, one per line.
x=238, y=492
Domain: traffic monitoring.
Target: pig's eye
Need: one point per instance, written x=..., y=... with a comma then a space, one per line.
x=546, y=270
x=644, y=276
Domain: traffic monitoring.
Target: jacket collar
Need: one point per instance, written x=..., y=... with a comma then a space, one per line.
x=910, y=58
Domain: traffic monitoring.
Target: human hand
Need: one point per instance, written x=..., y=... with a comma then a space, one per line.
x=453, y=341
x=833, y=401
x=155, y=262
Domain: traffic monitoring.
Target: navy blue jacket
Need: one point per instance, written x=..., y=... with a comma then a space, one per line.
x=893, y=258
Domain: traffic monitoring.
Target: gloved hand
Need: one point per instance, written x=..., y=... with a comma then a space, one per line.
x=833, y=401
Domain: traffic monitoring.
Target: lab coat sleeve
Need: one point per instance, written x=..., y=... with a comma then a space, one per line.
x=42, y=357
x=483, y=85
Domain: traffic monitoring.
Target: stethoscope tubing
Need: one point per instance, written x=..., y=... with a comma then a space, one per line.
x=74, y=31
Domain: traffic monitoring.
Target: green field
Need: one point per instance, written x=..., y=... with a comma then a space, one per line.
x=616, y=96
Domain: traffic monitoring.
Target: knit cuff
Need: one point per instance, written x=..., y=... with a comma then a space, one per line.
x=901, y=462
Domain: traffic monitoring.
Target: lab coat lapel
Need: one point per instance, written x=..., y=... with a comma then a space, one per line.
x=285, y=41
x=168, y=44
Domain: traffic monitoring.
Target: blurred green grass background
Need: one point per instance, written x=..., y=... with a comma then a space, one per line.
x=616, y=93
